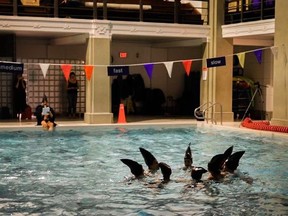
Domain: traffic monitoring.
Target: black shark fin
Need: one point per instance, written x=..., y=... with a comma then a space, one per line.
x=136, y=168
x=216, y=163
x=233, y=161
x=197, y=173
x=188, y=159
x=150, y=160
x=228, y=152
x=166, y=171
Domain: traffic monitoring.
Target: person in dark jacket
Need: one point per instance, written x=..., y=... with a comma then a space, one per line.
x=20, y=95
x=72, y=90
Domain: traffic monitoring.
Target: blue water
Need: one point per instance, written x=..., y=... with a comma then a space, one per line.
x=78, y=171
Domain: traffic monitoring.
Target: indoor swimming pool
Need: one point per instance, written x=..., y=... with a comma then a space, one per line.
x=77, y=171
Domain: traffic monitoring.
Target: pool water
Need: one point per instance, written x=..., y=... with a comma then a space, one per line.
x=77, y=171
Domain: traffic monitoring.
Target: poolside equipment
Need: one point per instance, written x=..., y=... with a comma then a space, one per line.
x=257, y=90
x=121, y=115
x=263, y=125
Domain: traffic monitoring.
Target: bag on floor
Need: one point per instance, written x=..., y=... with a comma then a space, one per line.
x=27, y=114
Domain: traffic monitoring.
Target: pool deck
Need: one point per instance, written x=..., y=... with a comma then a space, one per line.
x=142, y=120
x=131, y=120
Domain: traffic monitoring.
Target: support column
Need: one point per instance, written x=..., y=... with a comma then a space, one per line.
x=280, y=85
x=218, y=86
x=98, y=89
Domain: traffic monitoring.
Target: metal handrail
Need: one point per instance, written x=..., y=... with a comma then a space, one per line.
x=212, y=105
x=198, y=109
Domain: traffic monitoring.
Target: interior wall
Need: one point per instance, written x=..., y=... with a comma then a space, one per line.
x=35, y=51
x=137, y=54
x=42, y=49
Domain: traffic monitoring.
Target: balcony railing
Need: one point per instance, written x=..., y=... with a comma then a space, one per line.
x=237, y=11
x=163, y=11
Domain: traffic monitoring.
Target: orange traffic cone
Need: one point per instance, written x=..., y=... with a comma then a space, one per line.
x=121, y=115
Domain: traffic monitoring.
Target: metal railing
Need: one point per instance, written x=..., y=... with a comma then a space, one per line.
x=171, y=11
x=237, y=11
x=203, y=115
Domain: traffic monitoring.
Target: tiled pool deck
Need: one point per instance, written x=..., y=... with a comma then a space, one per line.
x=141, y=120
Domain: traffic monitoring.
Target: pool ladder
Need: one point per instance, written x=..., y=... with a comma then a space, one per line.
x=203, y=115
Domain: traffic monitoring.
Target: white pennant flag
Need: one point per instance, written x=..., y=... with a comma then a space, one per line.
x=44, y=68
x=169, y=66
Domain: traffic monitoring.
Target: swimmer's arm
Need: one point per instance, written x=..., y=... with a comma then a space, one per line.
x=243, y=177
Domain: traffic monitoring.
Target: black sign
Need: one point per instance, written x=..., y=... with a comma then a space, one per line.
x=11, y=67
x=118, y=70
x=216, y=62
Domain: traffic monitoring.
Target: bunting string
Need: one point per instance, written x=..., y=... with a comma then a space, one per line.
x=187, y=63
x=141, y=64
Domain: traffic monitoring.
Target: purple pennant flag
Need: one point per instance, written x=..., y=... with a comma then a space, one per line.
x=149, y=69
x=258, y=54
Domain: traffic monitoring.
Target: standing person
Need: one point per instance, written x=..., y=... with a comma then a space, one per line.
x=72, y=89
x=20, y=95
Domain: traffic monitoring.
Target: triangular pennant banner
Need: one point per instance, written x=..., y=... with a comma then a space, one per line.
x=88, y=70
x=169, y=66
x=66, y=68
x=241, y=57
x=149, y=69
x=44, y=69
x=258, y=54
x=187, y=66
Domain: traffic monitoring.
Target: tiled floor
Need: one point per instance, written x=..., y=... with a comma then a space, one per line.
x=143, y=120
x=79, y=121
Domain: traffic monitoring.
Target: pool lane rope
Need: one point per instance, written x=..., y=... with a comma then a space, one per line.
x=263, y=125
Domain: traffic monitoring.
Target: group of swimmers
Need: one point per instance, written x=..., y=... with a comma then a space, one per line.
x=219, y=167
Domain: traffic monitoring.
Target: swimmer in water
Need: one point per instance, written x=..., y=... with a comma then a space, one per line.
x=137, y=169
x=215, y=166
x=166, y=173
x=231, y=165
x=153, y=165
x=197, y=173
x=188, y=159
x=150, y=160
x=223, y=165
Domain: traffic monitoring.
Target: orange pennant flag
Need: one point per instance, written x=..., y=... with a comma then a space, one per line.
x=66, y=68
x=88, y=70
x=187, y=65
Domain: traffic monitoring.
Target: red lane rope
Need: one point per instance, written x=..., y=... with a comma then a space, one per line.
x=263, y=125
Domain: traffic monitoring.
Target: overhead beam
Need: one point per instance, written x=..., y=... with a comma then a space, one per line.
x=181, y=43
x=74, y=39
x=253, y=42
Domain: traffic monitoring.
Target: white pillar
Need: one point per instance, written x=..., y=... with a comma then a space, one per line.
x=98, y=89
x=280, y=85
